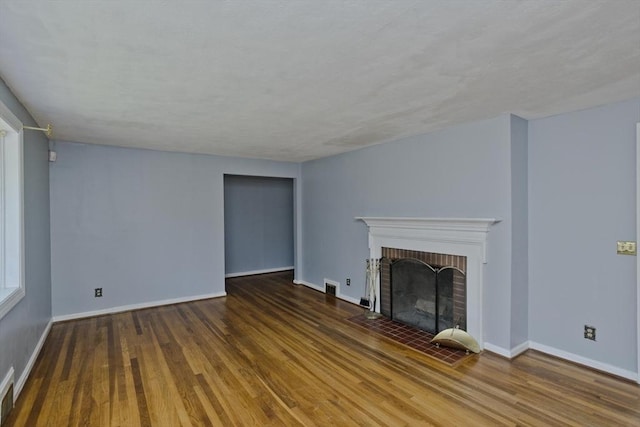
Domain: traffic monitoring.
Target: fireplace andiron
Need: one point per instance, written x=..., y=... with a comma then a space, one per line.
x=369, y=302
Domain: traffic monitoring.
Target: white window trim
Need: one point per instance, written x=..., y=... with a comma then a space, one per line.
x=12, y=293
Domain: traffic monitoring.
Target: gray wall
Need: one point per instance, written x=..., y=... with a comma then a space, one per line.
x=258, y=223
x=23, y=326
x=520, y=232
x=464, y=171
x=582, y=199
x=143, y=225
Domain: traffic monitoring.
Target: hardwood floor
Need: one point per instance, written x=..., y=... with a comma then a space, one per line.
x=276, y=354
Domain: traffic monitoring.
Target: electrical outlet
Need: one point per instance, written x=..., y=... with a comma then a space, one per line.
x=590, y=332
x=98, y=292
x=348, y=282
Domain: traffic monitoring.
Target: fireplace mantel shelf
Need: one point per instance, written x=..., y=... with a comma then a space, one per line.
x=460, y=224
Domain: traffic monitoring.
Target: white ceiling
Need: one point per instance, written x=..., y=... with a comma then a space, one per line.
x=302, y=79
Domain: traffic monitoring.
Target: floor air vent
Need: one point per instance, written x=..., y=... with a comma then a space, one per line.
x=331, y=287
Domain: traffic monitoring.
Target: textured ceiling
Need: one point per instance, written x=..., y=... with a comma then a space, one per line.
x=297, y=80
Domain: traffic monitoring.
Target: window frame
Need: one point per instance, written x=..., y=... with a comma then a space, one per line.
x=11, y=293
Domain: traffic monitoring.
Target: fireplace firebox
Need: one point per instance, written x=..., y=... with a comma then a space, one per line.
x=422, y=289
x=422, y=295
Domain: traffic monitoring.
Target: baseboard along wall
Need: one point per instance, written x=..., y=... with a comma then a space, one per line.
x=129, y=307
x=561, y=354
x=318, y=288
x=254, y=272
x=32, y=360
x=580, y=360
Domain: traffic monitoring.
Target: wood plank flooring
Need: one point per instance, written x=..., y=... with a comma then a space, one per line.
x=276, y=354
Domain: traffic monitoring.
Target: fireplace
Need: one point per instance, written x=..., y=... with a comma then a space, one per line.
x=465, y=238
x=423, y=289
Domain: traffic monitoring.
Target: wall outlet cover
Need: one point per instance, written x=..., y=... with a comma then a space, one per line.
x=590, y=332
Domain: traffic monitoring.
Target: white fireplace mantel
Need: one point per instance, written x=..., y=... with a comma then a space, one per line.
x=463, y=230
x=455, y=236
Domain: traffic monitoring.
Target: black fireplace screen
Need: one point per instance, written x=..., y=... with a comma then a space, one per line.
x=422, y=295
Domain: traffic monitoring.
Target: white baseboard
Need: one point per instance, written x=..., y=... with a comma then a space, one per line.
x=571, y=357
x=600, y=366
x=130, y=307
x=309, y=285
x=594, y=364
x=497, y=350
x=32, y=360
x=519, y=349
x=253, y=272
x=347, y=298
x=509, y=354
x=5, y=384
x=339, y=295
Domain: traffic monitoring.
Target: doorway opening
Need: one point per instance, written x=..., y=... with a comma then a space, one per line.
x=259, y=221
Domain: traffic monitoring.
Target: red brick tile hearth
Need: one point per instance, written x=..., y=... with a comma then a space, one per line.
x=414, y=338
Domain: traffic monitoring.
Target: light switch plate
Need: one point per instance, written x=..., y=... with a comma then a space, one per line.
x=626, y=248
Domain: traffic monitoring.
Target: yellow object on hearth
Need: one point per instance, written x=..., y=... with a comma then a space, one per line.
x=456, y=338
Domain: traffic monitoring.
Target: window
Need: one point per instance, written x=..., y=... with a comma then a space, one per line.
x=11, y=212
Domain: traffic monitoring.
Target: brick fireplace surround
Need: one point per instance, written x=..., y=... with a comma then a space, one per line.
x=464, y=237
